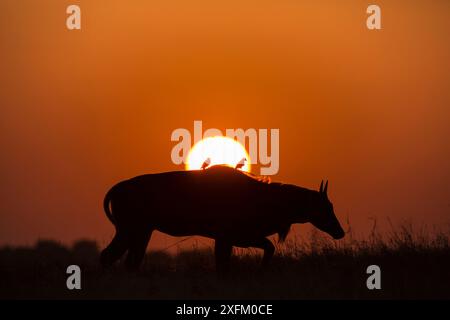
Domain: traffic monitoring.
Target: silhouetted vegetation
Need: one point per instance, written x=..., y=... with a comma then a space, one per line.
x=415, y=264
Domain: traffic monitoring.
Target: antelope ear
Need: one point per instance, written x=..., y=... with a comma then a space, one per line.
x=326, y=188
x=321, y=187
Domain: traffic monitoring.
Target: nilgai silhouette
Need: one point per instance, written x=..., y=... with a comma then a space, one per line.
x=230, y=206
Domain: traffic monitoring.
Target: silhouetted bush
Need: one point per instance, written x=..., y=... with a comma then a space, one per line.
x=85, y=250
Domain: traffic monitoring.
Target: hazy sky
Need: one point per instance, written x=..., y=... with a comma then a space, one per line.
x=81, y=110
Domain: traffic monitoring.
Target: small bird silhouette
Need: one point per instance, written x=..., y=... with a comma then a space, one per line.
x=241, y=163
x=206, y=163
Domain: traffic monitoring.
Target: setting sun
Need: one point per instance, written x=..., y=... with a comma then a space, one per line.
x=217, y=150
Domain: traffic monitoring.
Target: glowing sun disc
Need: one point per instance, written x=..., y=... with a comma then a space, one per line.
x=220, y=150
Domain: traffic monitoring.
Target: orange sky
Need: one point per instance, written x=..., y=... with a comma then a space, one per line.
x=81, y=110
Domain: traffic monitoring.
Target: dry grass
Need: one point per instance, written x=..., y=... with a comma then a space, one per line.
x=415, y=264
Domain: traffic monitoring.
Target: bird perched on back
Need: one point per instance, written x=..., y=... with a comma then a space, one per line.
x=240, y=164
x=206, y=163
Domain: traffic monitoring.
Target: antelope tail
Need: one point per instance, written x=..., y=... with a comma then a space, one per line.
x=106, y=205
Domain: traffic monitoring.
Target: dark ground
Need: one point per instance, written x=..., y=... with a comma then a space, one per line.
x=413, y=266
